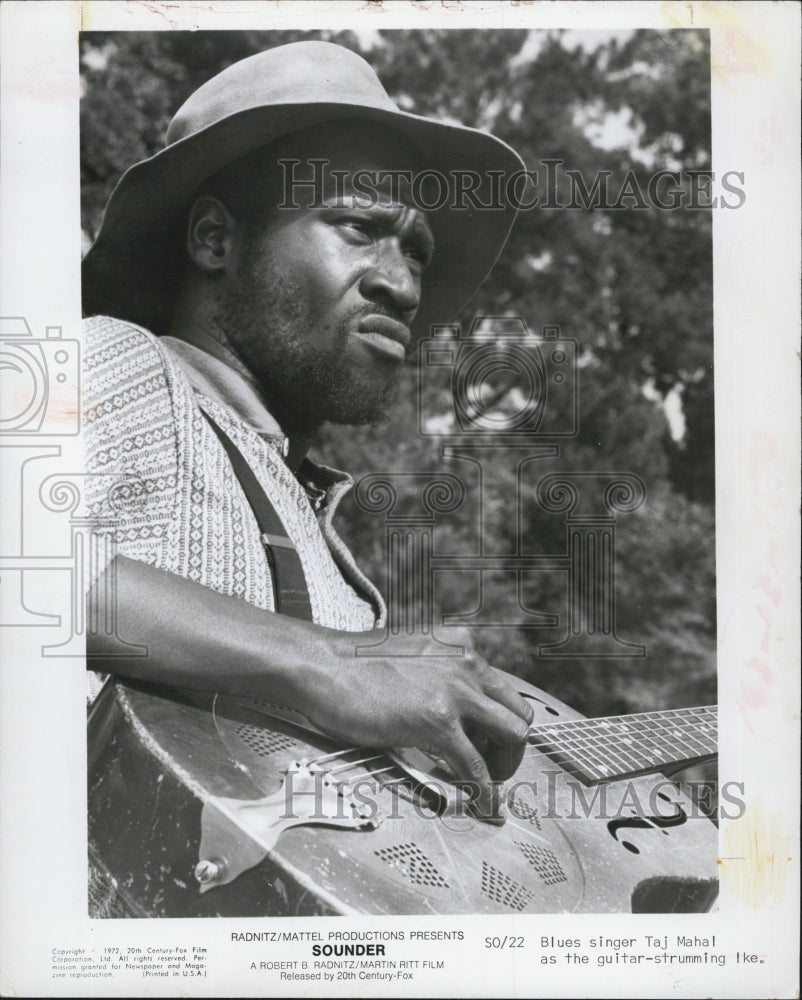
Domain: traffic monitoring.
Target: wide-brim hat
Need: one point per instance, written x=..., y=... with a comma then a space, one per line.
x=263, y=98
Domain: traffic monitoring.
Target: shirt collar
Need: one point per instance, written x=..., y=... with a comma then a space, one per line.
x=210, y=370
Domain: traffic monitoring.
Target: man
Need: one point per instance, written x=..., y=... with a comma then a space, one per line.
x=240, y=298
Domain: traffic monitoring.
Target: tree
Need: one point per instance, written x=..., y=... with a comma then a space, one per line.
x=632, y=287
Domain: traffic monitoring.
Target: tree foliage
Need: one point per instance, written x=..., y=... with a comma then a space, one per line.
x=633, y=287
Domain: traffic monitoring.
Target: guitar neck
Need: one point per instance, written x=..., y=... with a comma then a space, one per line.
x=627, y=746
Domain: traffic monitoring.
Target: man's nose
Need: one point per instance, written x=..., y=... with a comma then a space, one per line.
x=392, y=280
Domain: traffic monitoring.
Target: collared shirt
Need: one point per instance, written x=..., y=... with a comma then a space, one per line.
x=161, y=489
x=214, y=371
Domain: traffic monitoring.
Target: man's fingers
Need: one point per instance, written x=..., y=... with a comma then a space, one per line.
x=469, y=766
x=503, y=760
x=502, y=755
x=502, y=727
x=496, y=720
x=502, y=690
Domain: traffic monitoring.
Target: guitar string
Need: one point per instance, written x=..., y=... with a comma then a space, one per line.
x=602, y=764
x=596, y=758
x=348, y=766
x=603, y=768
x=591, y=743
x=351, y=764
x=580, y=745
x=625, y=740
x=332, y=756
x=587, y=737
x=660, y=725
x=603, y=730
x=633, y=751
x=590, y=757
x=686, y=716
x=586, y=745
x=642, y=743
x=627, y=749
x=668, y=741
x=372, y=774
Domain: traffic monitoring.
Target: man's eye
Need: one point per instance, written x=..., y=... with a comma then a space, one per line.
x=359, y=226
x=418, y=254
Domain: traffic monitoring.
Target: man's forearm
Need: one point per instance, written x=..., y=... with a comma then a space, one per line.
x=202, y=640
x=206, y=641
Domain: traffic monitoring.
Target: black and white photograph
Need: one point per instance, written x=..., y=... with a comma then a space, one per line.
x=395, y=498
x=265, y=309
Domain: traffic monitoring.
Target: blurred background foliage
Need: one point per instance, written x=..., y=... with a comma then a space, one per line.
x=633, y=287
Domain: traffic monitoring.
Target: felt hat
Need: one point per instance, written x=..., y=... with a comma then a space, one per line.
x=263, y=98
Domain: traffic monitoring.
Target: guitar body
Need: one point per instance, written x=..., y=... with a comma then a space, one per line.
x=157, y=766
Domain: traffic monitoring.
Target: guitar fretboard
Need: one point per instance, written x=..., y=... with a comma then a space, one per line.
x=626, y=746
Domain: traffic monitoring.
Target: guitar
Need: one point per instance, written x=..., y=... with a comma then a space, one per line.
x=202, y=806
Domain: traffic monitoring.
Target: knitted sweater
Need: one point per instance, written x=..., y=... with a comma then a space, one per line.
x=161, y=489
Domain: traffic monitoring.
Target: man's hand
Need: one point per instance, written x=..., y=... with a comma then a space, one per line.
x=455, y=707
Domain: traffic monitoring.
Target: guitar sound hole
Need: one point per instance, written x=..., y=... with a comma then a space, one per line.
x=503, y=889
x=410, y=861
x=531, y=697
x=263, y=741
x=544, y=861
x=524, y=811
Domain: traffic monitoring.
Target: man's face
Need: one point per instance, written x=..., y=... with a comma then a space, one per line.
x=322, y=299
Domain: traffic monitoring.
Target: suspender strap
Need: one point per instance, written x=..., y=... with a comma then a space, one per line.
x=289, y=586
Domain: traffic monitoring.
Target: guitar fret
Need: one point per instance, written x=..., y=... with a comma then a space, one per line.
x=575, y=749
x=693, y=738
x=698, y=732
x=673, y=740
x=643, y=750
x=630, y=744
x=684, y=737
x=603, y=765
x=659, y=747
x=627, y=752
x=602, y=751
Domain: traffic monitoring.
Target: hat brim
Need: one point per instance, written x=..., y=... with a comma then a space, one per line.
x=125, y=271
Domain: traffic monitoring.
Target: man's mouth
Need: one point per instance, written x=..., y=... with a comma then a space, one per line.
x=385, y=335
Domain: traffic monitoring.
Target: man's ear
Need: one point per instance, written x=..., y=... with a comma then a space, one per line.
x=209, y=234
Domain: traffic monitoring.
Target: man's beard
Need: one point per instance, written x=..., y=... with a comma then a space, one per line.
x=305, y=384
